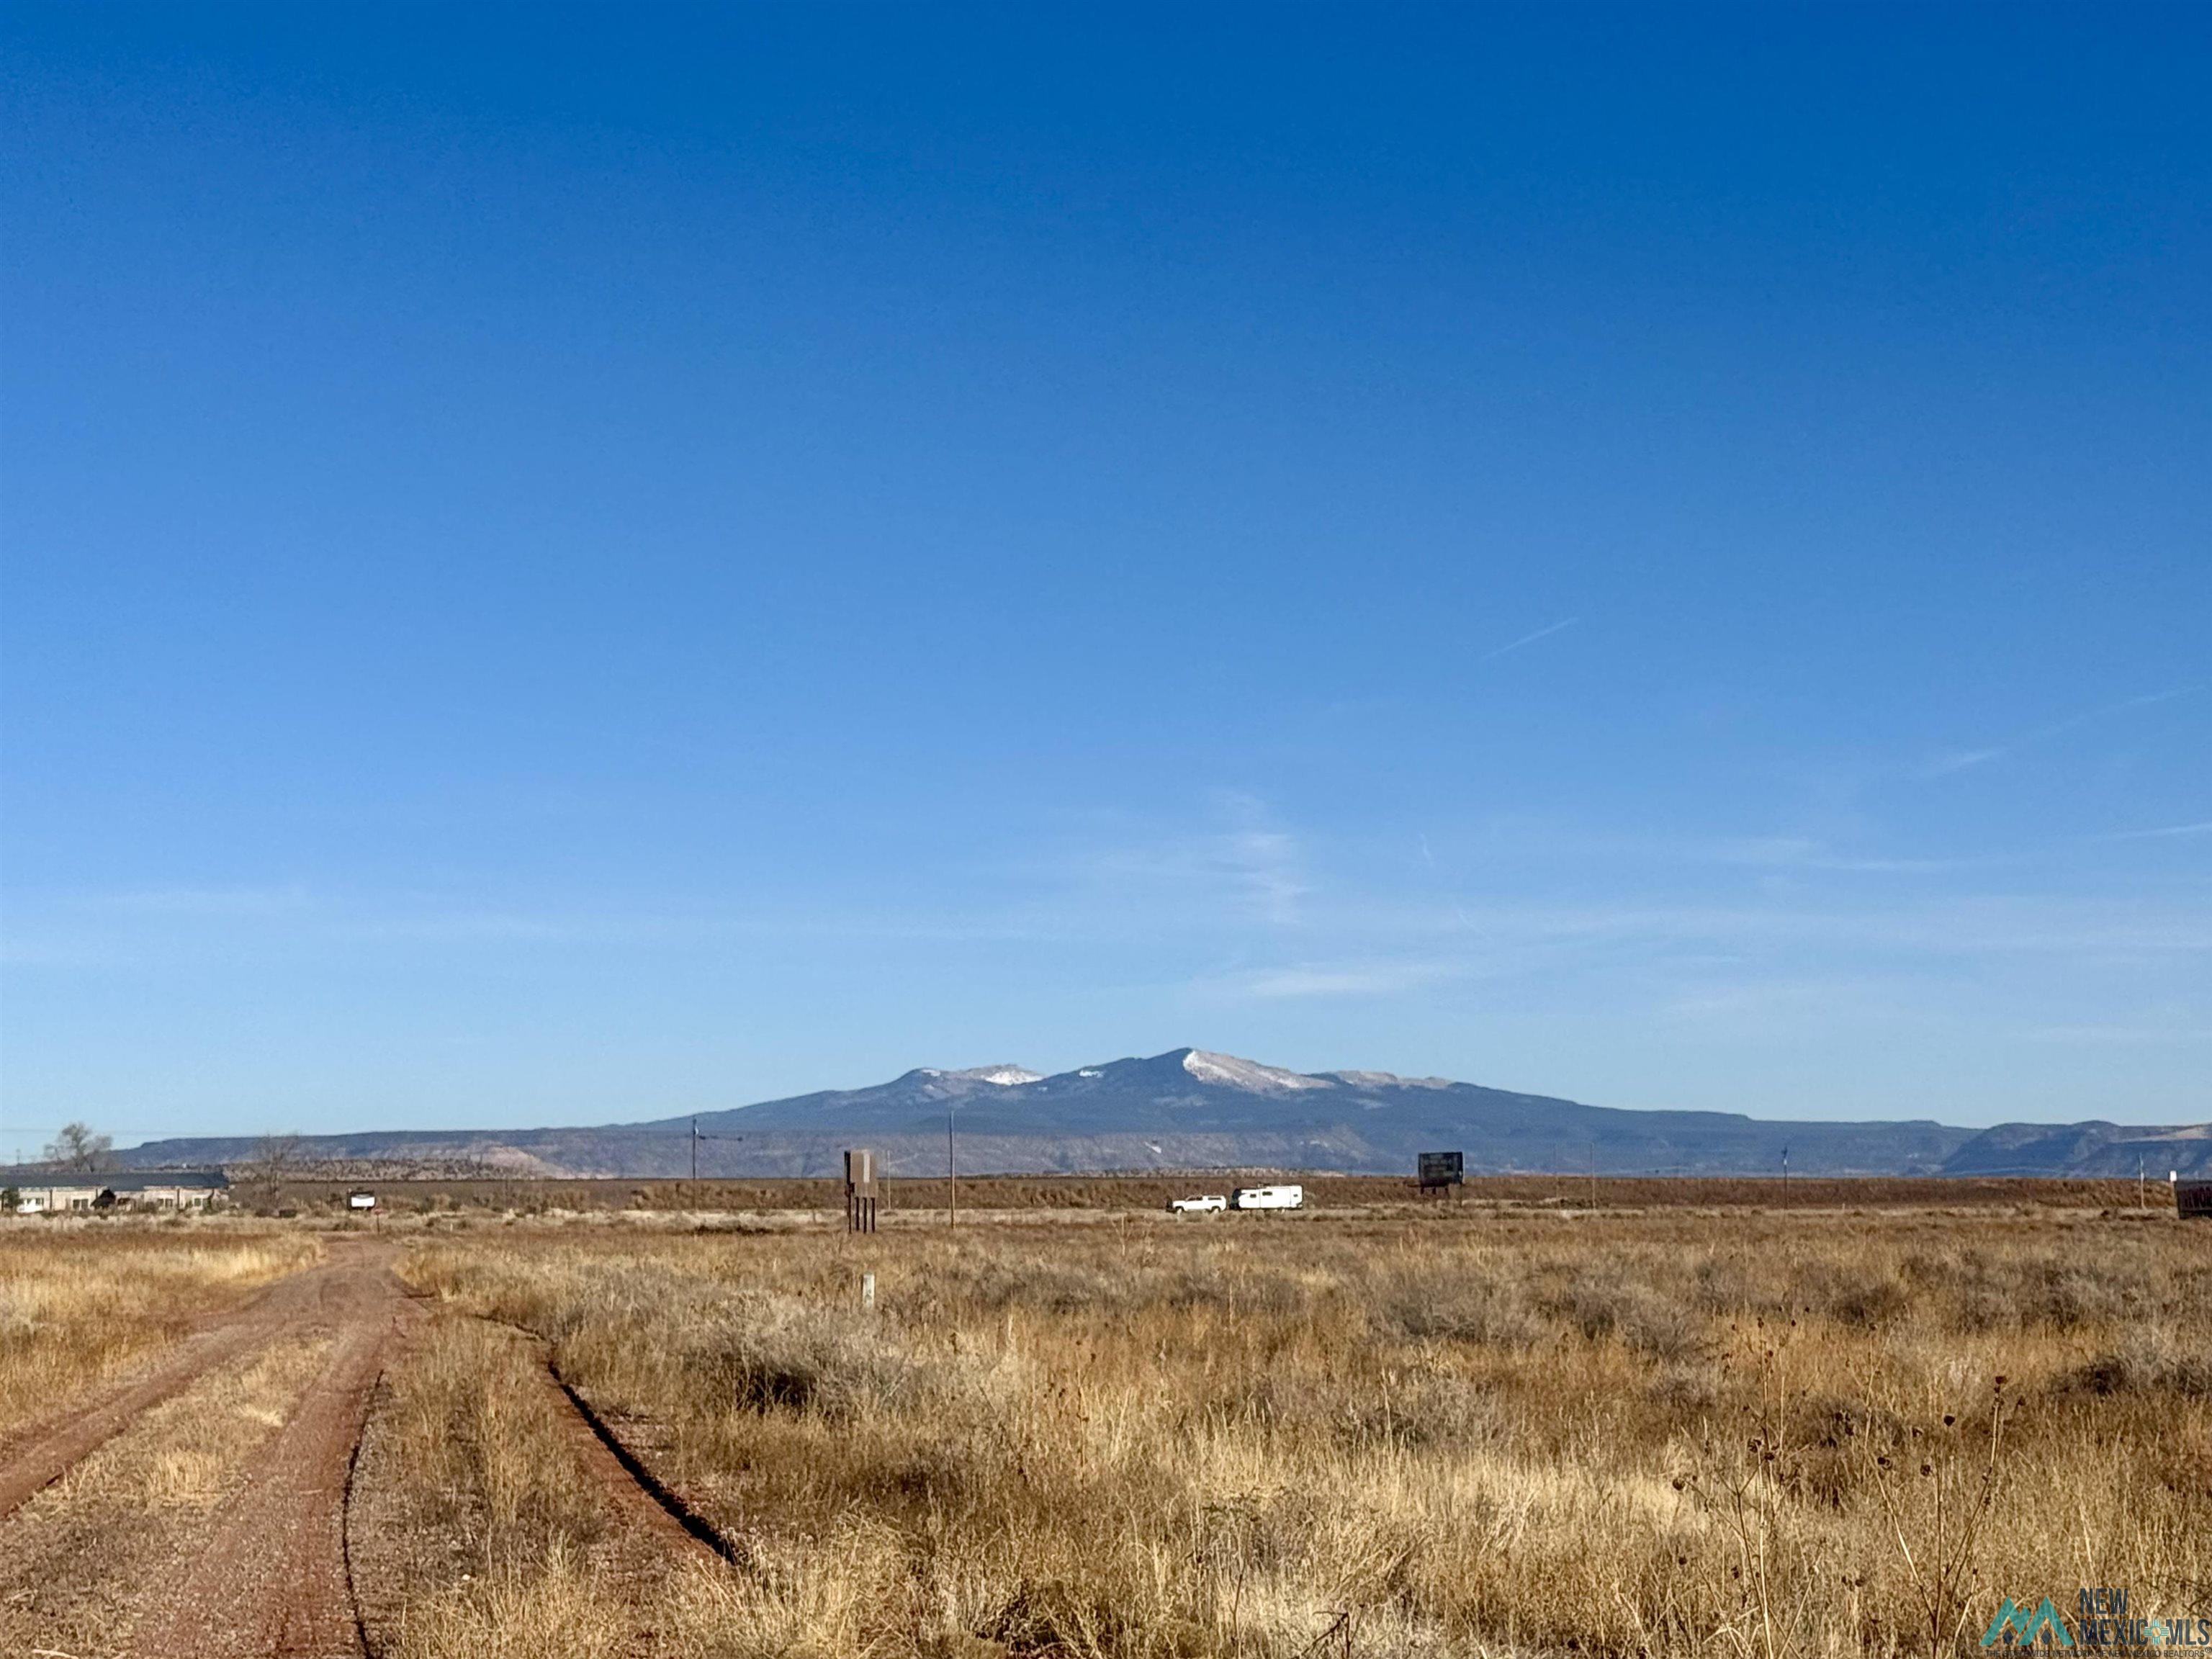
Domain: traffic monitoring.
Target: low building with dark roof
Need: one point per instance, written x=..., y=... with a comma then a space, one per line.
x=58, y=1192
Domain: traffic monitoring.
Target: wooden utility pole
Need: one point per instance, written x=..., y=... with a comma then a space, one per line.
x=695, y=1151
x=951, y=1169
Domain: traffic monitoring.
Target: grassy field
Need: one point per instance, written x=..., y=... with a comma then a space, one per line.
x=1757, y=1433
x=83, y=1301
x=1503, y=1427
x=1138, y=1194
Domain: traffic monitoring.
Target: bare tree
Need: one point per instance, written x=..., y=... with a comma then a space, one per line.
x=75, y=1146
x=277, y=1157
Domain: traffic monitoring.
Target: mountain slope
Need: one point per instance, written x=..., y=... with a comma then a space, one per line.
x=1191, y=1108
x=2096, y=1148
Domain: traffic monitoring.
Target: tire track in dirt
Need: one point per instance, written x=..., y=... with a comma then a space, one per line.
x=271, y=1577
x=35, y=1456
x=624, y=1476
x=647, y=1499
x=412, y=1559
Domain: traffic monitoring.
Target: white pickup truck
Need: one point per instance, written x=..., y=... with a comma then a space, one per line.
x=1198, y=1206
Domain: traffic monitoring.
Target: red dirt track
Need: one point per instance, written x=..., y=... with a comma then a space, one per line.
x=645, y=1505
x=35, y=1456
x=267, y=1574
x=271, y=1578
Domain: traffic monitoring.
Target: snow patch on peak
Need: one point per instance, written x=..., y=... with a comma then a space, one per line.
x=1004, y=1077
x=1007, y=1076
x=1390, y=1080
x=1234, y=1074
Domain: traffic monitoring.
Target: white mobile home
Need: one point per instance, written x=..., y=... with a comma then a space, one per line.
x=1267, y=1198
x=49, y=1192
x=55, y=1200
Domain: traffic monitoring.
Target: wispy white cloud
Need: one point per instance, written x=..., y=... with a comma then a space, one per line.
x=1254, y=870
x=1345, y=980
x=1527, y=639
x=2163, y=832
x=20, y=950
x=467, y=926
x=1964, y=759
x=2122, y=1035
x=1770, y=1002
x=1800, y=853
x=1996, y=925
x=290, y=898
x=1232, y=907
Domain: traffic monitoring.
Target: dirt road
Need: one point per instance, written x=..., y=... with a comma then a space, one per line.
x=38, y=1453
x=267, y=1571
x=271, y=1577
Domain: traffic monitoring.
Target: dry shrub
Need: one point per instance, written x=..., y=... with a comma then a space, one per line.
x=772, y=1352
x=1606, y=1301
x=1438, y=1434
x=2151, y=1361
x=1480, y=1310
x=1853, y=1295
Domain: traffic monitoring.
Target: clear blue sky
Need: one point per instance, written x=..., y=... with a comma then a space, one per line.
x=566, y=566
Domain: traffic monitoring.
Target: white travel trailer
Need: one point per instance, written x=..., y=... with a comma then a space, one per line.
x=1267, y=1198
x=1203, y=1205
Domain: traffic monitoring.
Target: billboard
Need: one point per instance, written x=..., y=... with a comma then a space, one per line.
x=1443, y=1168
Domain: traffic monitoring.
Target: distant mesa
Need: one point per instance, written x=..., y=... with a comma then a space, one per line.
x=1197, y=1109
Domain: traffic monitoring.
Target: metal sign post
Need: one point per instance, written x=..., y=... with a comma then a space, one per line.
x=859, y=1190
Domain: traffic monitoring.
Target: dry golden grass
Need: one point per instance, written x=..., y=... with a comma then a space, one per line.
x=477, y=1533
x=1679, y=1433
x=78, y=1558
x=469, y=1490
x=985, y=1194
x=83, y=1301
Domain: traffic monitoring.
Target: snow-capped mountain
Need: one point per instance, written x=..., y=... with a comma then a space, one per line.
x=1190, y=1108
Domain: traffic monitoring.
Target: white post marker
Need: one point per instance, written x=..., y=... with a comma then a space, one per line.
x=868, y=1292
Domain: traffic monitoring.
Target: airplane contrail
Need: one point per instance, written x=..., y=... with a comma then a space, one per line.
x=1529, y=639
